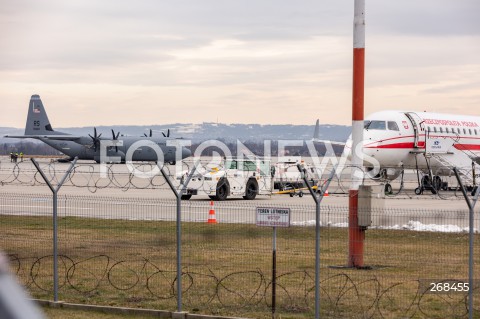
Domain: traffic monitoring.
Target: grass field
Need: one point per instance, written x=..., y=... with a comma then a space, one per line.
x=60, y=313
x=227, y=268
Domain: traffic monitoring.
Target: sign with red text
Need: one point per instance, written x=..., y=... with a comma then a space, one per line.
x=273, y=217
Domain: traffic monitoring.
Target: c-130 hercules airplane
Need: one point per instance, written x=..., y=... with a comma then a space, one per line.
x=89, y=147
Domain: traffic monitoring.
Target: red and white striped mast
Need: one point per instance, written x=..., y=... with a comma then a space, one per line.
x=356, y=234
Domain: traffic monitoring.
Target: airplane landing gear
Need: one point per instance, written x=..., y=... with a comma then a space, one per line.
x=437, y=184
x=434, y=185
x=388, y=189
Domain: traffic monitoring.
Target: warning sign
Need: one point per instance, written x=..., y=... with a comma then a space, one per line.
x=273, y=217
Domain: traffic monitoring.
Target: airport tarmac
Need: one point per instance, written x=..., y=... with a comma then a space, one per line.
x=446, y=208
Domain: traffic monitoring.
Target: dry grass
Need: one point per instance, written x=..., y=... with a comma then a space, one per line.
x=61, y=313
x=228, y=267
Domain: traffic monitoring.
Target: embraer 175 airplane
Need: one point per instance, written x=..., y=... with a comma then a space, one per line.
x=89, y=147
x=443, y=141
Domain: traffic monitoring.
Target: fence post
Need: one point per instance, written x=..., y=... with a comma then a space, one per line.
x=55, y=227
x=471, y=208
x=317, y=200
x=178, y=195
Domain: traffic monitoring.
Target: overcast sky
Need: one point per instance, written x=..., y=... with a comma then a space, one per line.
x=106, y=62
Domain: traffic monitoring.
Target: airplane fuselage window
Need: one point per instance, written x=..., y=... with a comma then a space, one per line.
x=465, y=131
x=470, y=131
x=376, y=125
x=435, y=129
x=447, y=130
x=441, y=129
x=392, y=126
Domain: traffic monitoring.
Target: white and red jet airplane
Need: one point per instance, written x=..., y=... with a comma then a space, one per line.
x=433, y=143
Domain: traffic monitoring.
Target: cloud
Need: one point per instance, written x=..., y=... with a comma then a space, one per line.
x=439, y=18
x=280, y=60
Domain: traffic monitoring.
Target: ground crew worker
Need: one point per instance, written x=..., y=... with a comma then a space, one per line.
x=21, y=156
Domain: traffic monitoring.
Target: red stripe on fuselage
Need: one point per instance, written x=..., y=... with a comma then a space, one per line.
x=398, y=145
x=462, y=147
x=388, y=139
x=421, y=144
x=467, y=147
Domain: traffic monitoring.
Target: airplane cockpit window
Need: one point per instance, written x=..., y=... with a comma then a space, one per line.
x=392, y=126
x=375, y=125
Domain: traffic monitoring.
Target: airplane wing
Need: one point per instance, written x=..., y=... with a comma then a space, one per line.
x=50, y=137
x=330, y=142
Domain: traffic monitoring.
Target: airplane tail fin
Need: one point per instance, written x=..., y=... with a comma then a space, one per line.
x=316, y=133
x=37, y=119
x=316, y=137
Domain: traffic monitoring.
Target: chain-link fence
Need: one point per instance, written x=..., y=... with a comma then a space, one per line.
x=122, y=252
x=94, y=178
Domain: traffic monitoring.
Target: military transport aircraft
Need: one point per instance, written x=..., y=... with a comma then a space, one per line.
x=91, y=147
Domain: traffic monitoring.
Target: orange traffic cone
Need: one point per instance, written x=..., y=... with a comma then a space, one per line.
x=326, y=193
x=211, y=214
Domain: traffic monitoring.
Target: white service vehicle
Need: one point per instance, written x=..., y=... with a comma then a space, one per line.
x=237, y=177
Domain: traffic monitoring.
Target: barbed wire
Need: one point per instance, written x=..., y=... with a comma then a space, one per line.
x=205, y=287
x=116, y=176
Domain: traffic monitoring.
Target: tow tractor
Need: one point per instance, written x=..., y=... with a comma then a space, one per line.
x=236, y=177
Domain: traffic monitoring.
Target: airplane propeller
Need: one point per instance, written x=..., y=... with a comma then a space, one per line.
x=151, y=133
x=115, y=138
x=95, y=138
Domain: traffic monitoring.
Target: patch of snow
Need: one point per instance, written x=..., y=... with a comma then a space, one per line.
x=411, y=225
